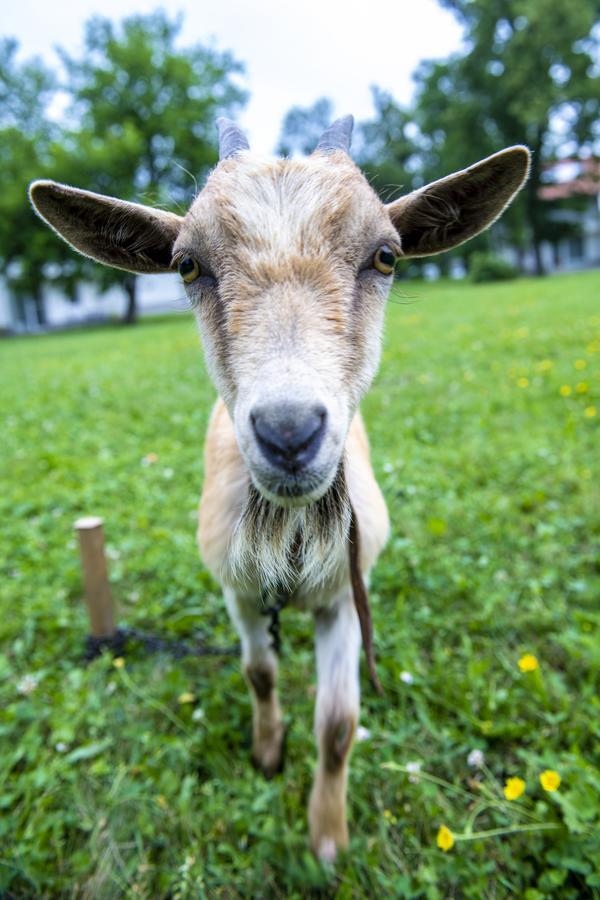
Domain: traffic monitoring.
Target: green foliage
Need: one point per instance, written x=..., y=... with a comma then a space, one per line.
x=490, y=267
x=141, y=127
x=524, y=78
x=133, y=81
x=302, y=127
x=113, y=784
x=26, y=254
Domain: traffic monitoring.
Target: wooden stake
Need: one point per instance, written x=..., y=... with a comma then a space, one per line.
x=98, y=598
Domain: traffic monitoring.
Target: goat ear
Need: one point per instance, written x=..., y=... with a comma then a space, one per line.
x=448, y=212
x=124, y=235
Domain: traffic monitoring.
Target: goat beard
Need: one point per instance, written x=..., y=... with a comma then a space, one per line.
x=284, y=549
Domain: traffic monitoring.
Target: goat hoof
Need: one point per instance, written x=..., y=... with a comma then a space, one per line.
x=269, y=757
x=327, y=851
x=326, y=847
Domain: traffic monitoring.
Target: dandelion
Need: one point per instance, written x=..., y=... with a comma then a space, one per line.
x=581, y=387
x=523, y=382
x=27, y=685
x=407, y=678
x=362, y=733
x=414, y=770
x=544, y=365
x=528, y=663
x=119, y=662
x=186, y=697
x=476, y=759
x=566, y=390
x=550, y=780
x=445, y=839
x=513, y=788
x=580, y=364
x=590, y=412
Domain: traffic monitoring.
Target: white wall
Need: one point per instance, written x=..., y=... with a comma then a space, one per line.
x=156, y=294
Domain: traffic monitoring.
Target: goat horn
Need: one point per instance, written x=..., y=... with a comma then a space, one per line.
x=337, y=137
x=231, y=139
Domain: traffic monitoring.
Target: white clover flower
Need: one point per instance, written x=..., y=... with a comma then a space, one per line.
x=61, y=747
x=414, y=770
x=27, y=684
x=476, y=759
x=198, y=714
x=407, y=677
x=362, y=733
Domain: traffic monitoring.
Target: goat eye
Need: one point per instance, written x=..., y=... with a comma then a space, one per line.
x=189, y=269
x=384, y=260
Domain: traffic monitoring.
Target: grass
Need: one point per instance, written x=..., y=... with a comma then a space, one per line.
x=112, y=786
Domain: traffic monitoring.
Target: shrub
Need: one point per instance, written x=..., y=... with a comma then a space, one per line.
x=490, y=267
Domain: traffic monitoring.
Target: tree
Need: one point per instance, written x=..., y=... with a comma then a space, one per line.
x=525, y=78
x=303, y=126
x=386, y=147
x=143, y=116
x=27, y=254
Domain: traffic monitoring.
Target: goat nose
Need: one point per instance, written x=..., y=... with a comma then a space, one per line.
x=289, y=436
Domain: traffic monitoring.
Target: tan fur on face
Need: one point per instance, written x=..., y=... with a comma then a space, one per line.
x=285, y=240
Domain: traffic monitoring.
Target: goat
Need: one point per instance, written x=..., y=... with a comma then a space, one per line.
x=287, y=264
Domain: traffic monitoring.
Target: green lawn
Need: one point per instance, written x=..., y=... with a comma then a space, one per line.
x=484, y=426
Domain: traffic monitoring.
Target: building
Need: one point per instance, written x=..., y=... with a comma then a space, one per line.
x=156, y=294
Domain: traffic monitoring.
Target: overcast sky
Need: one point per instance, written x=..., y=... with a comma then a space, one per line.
x=294, y=52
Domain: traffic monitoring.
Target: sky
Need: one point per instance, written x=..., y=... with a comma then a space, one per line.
x=294, y=52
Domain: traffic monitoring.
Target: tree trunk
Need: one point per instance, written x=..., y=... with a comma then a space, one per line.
x=40, y=309
x=130, y=285
x=443, y=264
x=532, y=202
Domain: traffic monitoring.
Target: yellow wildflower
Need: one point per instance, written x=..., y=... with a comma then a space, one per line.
x=119, y=662
x=545, y=365
x=580, y=363
x=445, y=839
x=581, y=387
x=513, y=788
x=528, y=663
x=566, y=390
x=550, y=780
x=523, y=382
x=590, y=411
x=186, y=697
